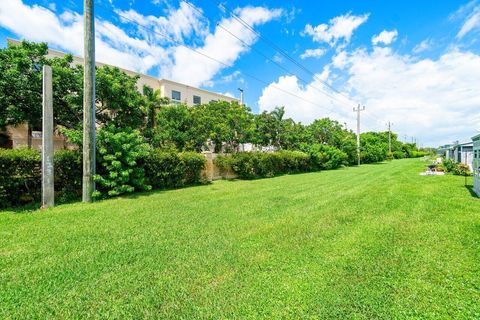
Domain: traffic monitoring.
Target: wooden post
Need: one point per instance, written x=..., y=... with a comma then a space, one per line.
x=88, y=185
x=47, y=140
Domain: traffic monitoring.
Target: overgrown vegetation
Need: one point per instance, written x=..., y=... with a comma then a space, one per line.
x=137, y=121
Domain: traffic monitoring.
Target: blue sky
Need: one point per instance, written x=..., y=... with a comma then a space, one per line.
x=414, y=63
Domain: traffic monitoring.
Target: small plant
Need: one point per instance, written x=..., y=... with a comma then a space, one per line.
x=461, y=169
x=448, y=165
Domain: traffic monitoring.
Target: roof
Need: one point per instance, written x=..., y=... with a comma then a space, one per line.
x=477, y=137
x=79, y=59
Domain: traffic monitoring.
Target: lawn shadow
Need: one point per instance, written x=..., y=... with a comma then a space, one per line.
x=472, y=192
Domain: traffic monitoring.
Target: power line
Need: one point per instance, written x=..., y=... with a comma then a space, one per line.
x=286, y=55
x=214, y=59
x=266, y=57
x=277, y=48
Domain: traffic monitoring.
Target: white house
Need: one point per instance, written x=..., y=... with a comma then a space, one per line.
x=476, y=164
x=177, y=92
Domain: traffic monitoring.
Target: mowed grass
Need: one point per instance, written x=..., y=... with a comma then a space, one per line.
x=378, y=241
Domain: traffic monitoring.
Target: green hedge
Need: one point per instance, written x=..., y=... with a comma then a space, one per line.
x=325, y=157
x=20, y=176
x=166, y=169
x=251, y=165
x=20, y=173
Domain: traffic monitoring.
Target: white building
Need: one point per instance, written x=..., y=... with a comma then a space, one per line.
x=476, y=164
x=178, y=93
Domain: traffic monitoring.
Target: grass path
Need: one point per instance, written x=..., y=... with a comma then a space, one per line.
x=378, y=241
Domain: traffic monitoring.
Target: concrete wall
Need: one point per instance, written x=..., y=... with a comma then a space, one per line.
x=212, y=172
x=19, y=136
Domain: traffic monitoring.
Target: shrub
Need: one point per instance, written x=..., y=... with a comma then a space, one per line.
x=371, y=153
x=251, y=165
x=167, y=169
x=295, y=161
x=121, y=153
x=325, y=157
x=448, y=165
x=68, y=175
x=21, y=176
x=398, y=154
x=192, y=165
x=461, y=169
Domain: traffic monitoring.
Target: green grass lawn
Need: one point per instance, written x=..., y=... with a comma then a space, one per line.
x=378, y=241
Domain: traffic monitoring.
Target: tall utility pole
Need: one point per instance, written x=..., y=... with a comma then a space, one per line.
x=241, y=95
x=389, y=137
x=358, y=110
x=47, y=139
x=88, y=102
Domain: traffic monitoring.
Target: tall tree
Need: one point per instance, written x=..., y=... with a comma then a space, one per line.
x=153, y=101
x=21, y=86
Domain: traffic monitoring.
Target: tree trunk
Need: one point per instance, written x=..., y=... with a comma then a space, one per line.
x=29, y=136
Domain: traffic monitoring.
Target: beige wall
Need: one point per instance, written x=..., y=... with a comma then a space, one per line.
x=187, y=93
x=19, y=136
x=212, y=172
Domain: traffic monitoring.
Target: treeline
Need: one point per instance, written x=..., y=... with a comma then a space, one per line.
x=145, y=142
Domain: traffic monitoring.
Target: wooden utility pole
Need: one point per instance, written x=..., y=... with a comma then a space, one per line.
x=88, y=102
x=358, y=110
x=47, y=140
x=390, y=137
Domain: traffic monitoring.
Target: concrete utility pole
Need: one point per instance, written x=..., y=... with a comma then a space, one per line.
x=241, y=95
x=358, y=110
x=47, y=139
x=390, y=137
x=88, y=102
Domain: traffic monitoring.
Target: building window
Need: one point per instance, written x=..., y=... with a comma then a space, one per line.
x=197, y=100
x=176, y=95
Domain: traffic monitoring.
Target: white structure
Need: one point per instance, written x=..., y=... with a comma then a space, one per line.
x=476, y=164
x=177, y=92
x=458, y=152
x=463, y=153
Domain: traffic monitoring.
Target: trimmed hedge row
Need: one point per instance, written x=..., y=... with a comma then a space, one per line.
x=252, y=165
x=20, y=173
x=165, y=169
x=20, y=176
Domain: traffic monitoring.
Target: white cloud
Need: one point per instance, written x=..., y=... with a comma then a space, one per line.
x=341, y=27
x=177, y=25
x=385, y=37
x=471, y=23
x=423, y=46
x=433, y=100
x=313, y=53
x=144, y=51
x=196, y=70
x=65, y=31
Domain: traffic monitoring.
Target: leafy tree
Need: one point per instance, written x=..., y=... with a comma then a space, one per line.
x=225, y=123
x=119, y=103
x=153, y=101
x=21, y=86
x=269, y=127
x=176, y=128
x=332, y=133
x=291, y=135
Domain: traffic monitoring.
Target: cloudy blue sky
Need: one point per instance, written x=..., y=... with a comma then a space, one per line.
x=414, y=63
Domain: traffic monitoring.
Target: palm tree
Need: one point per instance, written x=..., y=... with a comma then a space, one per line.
x=153, y=102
